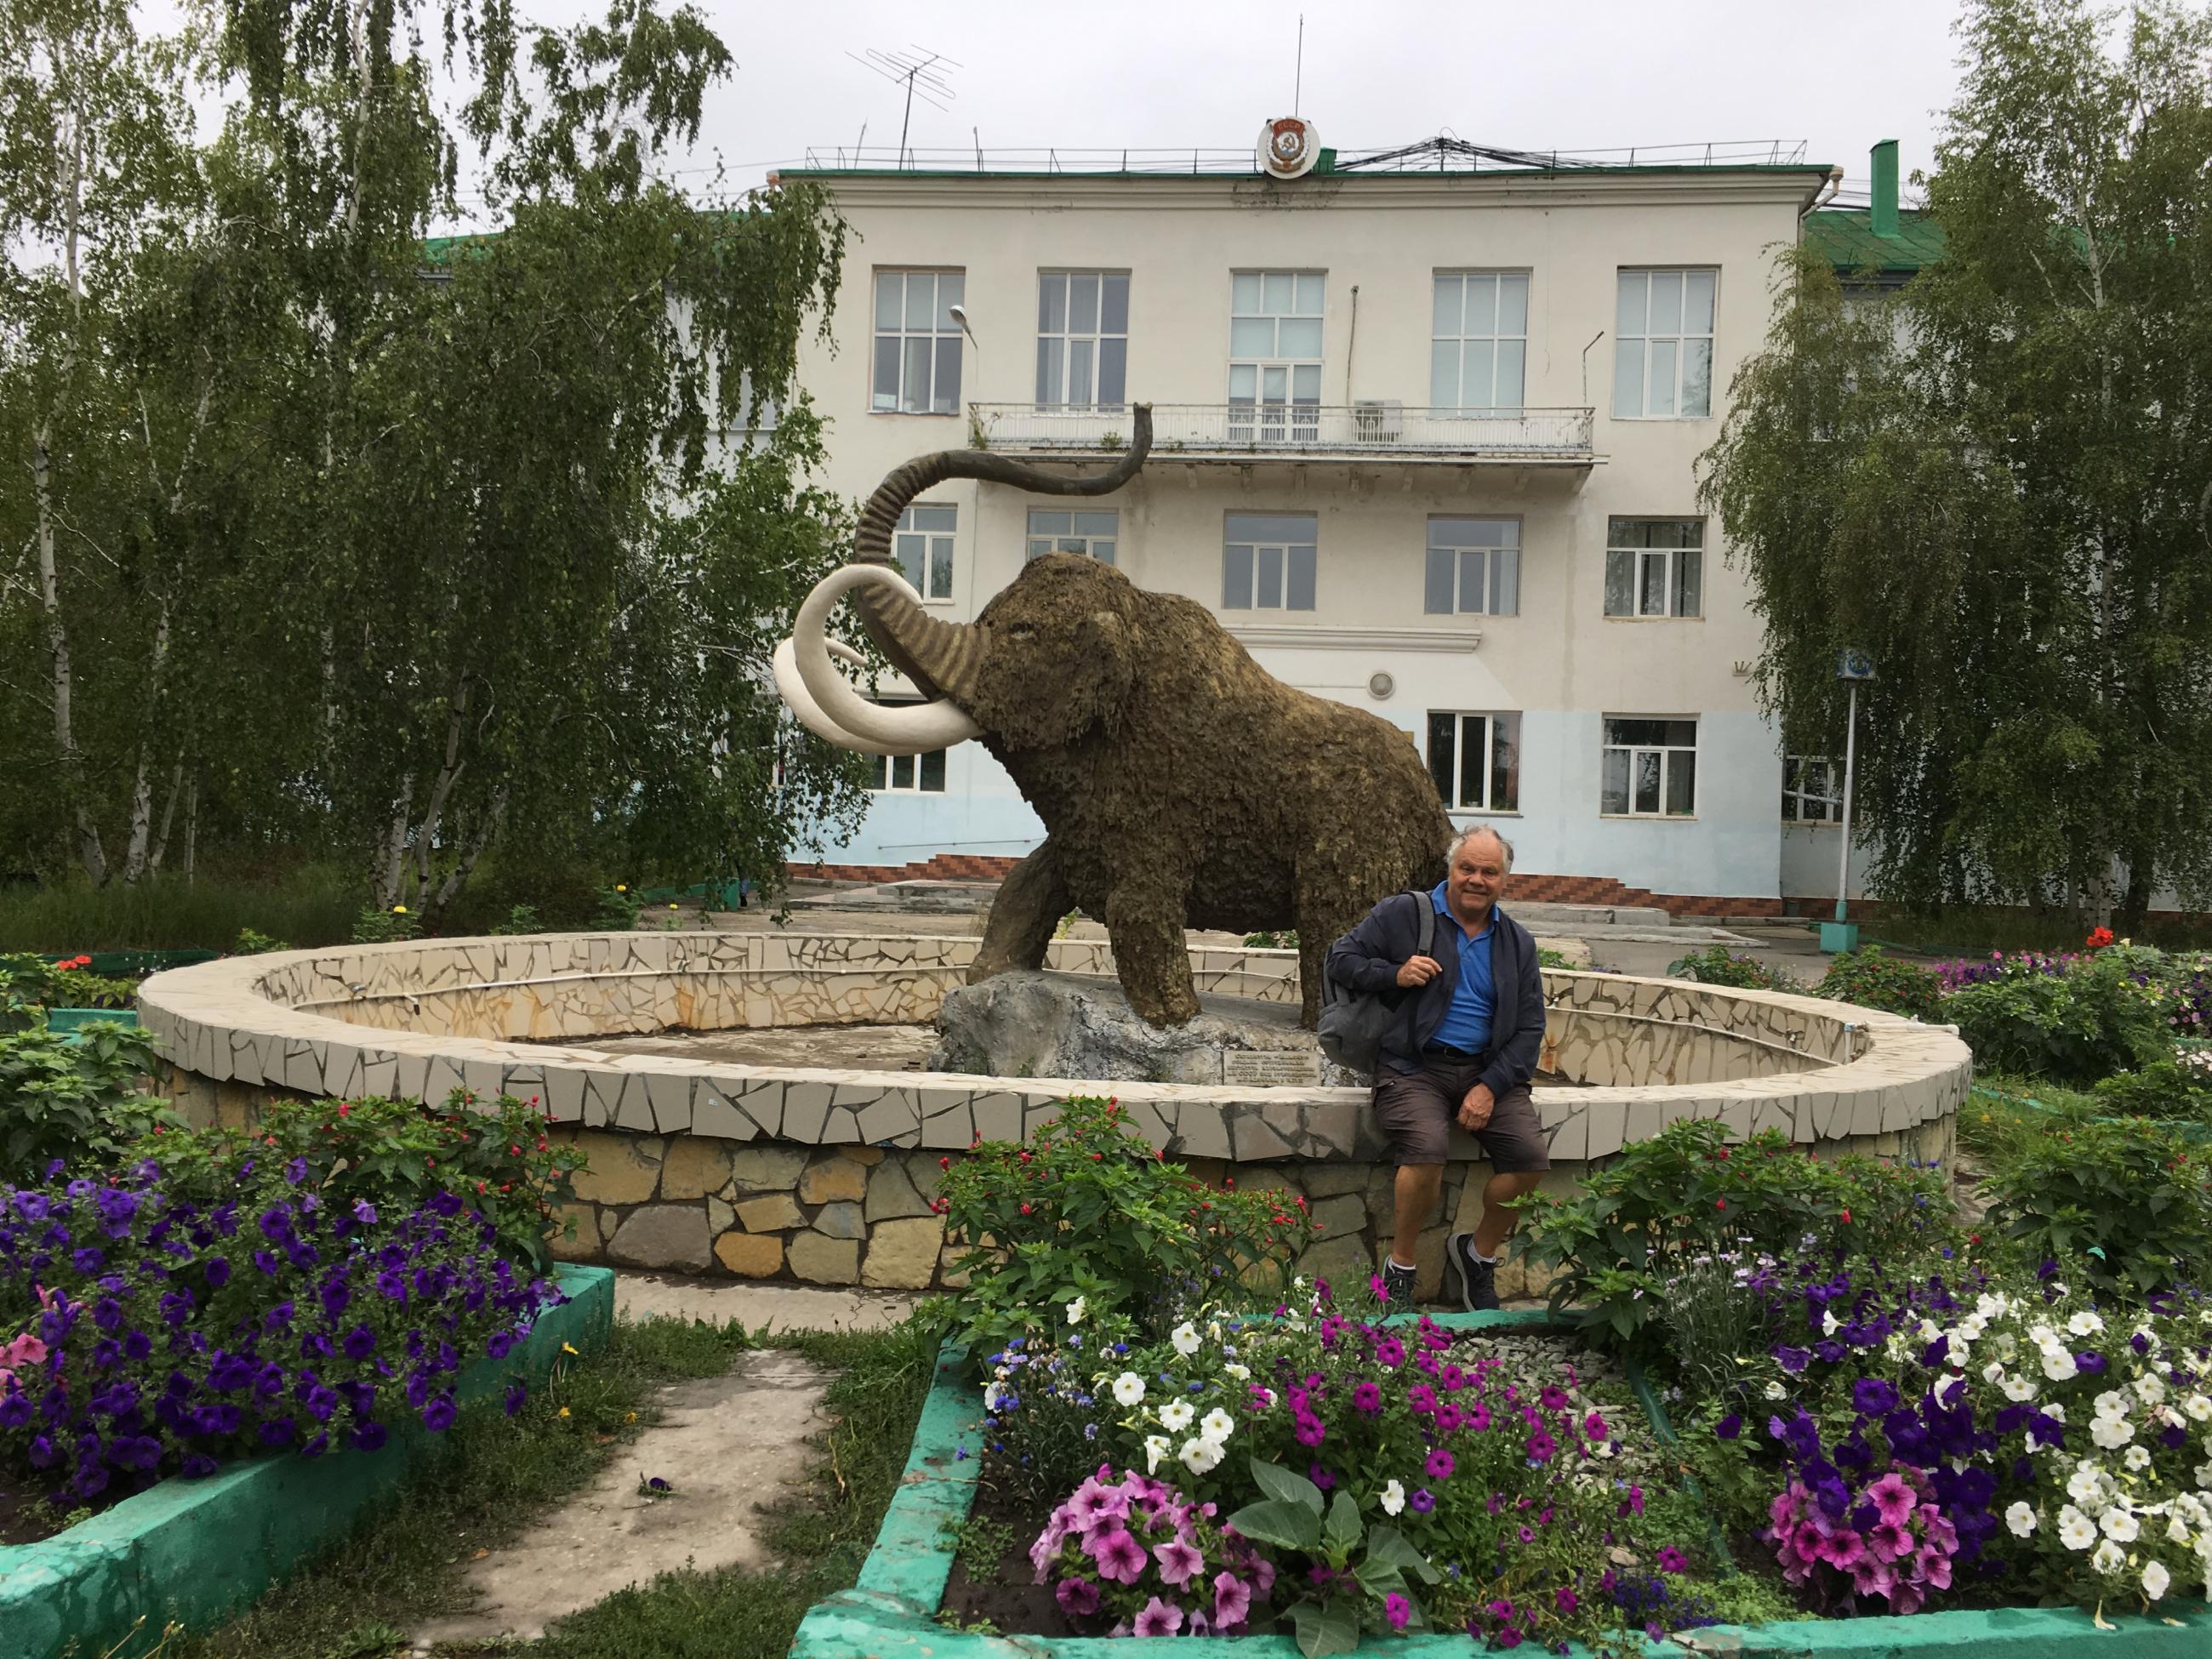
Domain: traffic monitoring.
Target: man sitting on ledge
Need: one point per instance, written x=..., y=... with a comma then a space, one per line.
x=1465, y=1052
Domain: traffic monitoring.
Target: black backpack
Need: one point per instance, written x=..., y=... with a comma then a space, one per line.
x=1353, y=1023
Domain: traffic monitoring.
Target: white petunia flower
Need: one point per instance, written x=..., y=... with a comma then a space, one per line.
x=1776, y=1391
x=2112, y=1432
x=1185, y=1339
x=2136, y=1457
x=2055, y=1412
x=2020, y=1519
x=2084, y=1485
x=2075, y=1531
x=1200, y=1455
x=992, y=1394
x=1156, y=1448
x=2113, y=1402
x=2107, y=1558
x=1957, y=1350
x=1128, y=1389
x=1176, y=1416
x=1242, y=1373
x=1994, y=1372
x=2119, y=1525
x=1217, y=1425
x=2198, y=1407
x=2085, y=1323
x=2155, y=1580
x=1393, y=1499
x=2149, y=1390
x=2018, y=1387
x=2203, y=1473
x=1829, y=1323
x=1076, y=1309
x=2176, y=1531
x=2058, y=1364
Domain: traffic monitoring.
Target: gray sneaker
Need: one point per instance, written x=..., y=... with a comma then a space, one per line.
x=1478, y=1279
x=1397, y=1287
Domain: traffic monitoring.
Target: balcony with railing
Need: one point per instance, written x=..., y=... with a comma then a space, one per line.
x=1241, y=433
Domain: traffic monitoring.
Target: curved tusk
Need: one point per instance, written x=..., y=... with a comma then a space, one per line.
x=915, y=730
x=808, y=712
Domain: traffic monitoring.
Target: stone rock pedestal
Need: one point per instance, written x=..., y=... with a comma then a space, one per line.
x=1066, y=1025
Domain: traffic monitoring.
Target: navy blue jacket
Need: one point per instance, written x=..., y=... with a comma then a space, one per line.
x=1369, y=956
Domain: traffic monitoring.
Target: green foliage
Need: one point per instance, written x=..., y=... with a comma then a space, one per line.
x=310, y=905
x=381, y=925
x=1632, y=1226
x=394, y=1153
x=2127, y=1205
x=1283, y=938
x=75, y=1097
x=64, y=984
x=1715, y=966
x=1090, y=1209
x=1871, y=980
x=1979, y=479
x=617, y=911
x=1548, y=957
x=2164, y=1088
x=2092, y=1020
x=1365, y=1563
x=253, y=943
x=521, y=919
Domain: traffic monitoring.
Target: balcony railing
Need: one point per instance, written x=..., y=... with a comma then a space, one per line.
x=1380, y=429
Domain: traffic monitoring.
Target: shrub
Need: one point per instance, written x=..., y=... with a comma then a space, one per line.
x=2177, y=1088
x=521, y=918
x=1092, y=1211
x=168, y=1335
x=377, y=925
x=65, y=984
x=1161, y=1565
x=616, y=911
x=2096, y=1016
x=2126, y=1204
x=74, y=1097
x=1633, y=1225
x=1871, y=980
x=395, y=1155
x=251, y=942
x=1715, y=966
x=1281, y=939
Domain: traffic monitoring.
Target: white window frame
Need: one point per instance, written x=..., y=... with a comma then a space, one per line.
x=1799, y=796
x=924, y=547
x=1673, y=565
x=1096, y=533
x=1274, y=383
x=1637, y=750
x=1662, y=353
x=896, y=322
x=916, y=768
x=1081, y=339
x=1491, y=569
x=1271, y=560
x=1498, y=727
x=1460, y=355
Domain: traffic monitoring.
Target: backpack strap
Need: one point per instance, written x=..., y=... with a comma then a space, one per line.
x=1426, y=926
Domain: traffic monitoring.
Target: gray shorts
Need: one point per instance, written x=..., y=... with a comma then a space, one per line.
x=1417, y=1111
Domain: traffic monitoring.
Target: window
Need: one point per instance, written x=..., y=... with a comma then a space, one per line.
x=1812, y=790
x=1662, y=351
x=917, y=341
x=1478, y=340
x=919, y=773
x=1094, y=533
x=1274, y=356
x=1651, y=769
x=1655, y=567
x=1083, y=338
x=924, y=548
x=1476, y=760
x=1474, y=567
x=1267, y=563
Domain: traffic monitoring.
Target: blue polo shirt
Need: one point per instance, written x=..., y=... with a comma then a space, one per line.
x=1467, y=1022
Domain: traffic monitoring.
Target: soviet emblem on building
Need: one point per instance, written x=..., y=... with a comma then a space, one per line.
x=1289, y=147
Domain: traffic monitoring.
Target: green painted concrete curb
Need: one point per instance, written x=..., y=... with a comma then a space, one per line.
x=195, y=1550
x=891, y=1613
x=71, y=1019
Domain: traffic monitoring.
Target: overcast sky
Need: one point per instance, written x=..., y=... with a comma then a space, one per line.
x=1165, y=73
x=1570, y=75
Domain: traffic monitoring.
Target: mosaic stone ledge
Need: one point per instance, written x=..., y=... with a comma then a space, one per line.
x=419, y=1020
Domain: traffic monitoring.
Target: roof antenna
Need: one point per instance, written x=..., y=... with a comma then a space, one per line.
x=1298, y=83
x=917, y=71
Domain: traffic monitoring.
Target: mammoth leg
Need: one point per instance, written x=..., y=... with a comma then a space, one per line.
x=1030, y=902
x=1144, y=916
x=1327, y=904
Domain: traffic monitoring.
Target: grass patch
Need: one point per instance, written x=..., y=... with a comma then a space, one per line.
x=360, y=1598
x=492, y=1473
x=315, y=904
x=1975, y=930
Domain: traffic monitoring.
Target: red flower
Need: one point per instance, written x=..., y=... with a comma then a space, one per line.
x=1847, y=1218
x=2099, y=938
x=1720, y=1204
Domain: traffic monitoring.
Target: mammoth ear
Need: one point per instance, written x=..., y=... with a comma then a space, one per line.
x=1110, y=644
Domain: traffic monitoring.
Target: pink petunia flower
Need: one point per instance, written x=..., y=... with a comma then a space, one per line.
x=1119, y=1555
x=1892, y=1498
x=1178, y=1561
x=1232, y=1600
x=1397, y=1609
x=1440, y=1465
x=1159, y=1618
x=1889, y=1541
x=1077, y=1597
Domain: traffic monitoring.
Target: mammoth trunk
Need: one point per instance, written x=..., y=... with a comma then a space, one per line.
x=940, y=658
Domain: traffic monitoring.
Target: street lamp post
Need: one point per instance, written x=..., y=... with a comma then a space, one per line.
x=1851, y=667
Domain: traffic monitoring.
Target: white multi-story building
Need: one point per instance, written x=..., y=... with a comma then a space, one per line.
x=1424, y=441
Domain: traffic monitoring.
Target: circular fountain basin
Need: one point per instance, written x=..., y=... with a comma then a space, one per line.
x=826, y=1174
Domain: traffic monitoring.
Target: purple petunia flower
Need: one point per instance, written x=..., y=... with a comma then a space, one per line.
x=1421, y=1502
x=1439, y=1466
x=1729, y=1426
x=1077, y=1597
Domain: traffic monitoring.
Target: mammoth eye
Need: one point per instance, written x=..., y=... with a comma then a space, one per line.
x=1022, y=630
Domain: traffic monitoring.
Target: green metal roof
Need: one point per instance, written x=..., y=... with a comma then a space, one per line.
x=1846, y=237
x=1334, y=174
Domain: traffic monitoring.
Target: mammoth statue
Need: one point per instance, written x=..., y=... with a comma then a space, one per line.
x=1180, y=784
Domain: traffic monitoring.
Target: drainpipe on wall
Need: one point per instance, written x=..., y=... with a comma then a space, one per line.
x=1882, y=221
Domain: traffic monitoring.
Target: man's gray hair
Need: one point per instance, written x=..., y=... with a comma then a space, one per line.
x=1468, y=834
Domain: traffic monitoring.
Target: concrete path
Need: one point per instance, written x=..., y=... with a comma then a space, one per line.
x=726, y=1445
x=761, y=1307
